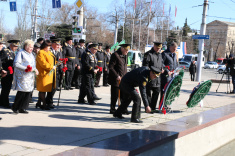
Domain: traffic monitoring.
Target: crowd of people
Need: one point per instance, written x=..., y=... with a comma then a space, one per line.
x=42, y=66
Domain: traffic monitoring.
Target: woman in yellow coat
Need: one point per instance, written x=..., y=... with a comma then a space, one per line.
x=45, y=62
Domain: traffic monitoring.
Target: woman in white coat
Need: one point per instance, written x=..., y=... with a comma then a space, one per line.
x=24, y=76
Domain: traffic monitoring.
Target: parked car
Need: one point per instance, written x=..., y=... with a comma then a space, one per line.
x=221, y=69
x=134, y=59
x=184, y=64
x=210, y=65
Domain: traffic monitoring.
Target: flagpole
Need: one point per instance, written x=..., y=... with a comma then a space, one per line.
x=123, y=30
x=139, y=34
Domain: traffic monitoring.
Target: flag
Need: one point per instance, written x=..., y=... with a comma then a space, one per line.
x=163, y=8
x=170, y=10
x=135, y=3
x=151, y=5
x=175, y=10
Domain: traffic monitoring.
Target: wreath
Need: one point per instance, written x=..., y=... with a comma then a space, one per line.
x=198, y=93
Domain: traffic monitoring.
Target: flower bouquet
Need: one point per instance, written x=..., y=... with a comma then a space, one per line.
x=64, y=61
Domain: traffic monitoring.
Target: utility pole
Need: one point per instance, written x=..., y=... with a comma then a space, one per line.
x=116, y=30
x=35, y=21
x=201, y=42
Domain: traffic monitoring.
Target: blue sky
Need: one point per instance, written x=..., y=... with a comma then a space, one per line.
x=185, y=9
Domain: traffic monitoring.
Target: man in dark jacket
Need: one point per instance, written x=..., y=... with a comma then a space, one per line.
x=117, y=69
x=80, y=49
x=192, y=70
x=106, y=67
x=231, y=65
x=88, y=70
x=3, y=72
x=7, y=57
x=100, y=55
x=153, y=58
x=170, y=62
x=70, y=52
x=137, y=77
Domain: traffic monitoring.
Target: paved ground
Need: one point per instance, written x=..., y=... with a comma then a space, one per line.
x=71, y=124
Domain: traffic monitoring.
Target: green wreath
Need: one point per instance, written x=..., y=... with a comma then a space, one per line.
x=173, y=90
x=198, y=93
x=181, y=73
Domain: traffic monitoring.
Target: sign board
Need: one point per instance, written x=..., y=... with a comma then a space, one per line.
x=79, y=4
x=56, y=3
x=13, y=6
x=47, y=36
x=201, y=37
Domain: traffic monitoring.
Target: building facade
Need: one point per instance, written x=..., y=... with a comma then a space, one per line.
x=222, y=38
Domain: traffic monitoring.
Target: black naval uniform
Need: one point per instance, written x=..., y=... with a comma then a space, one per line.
x=106, y=73
x=100, y=55
x=70, y=53
x=137, y=77
x=78, y=72
x=87, y=87
x=152, y=58
x=59, y=76
x=7, y=58
x=169, y=59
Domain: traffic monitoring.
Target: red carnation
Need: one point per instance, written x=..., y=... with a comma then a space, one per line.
x=64, y=69
x=10, y=69
x=168, y=67
x=100, y=69
x=164, y=110
x=28, y=69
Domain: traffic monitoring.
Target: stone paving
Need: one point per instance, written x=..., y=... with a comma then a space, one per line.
x=71, y=124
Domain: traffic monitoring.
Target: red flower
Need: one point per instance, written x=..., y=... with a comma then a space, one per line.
x=10, y=69
x=100, y=69
x=164, y=110
x=168, y=67
x=28, y=69
x=64, y=69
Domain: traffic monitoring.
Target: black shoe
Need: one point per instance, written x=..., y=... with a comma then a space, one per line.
x=93, y=103
x=136, y=121
x=7, y=106
x=66, y=88
x=112, y=111
x=82, y=101
x=106, y=85
x=70, y=88
x=96, y=86
x=14, y=111
x=126, y=112
x=0, y=118
x=45, y=108
x=57, y=89
x=97, y=98
x=38, y=105
x=118, y=116
x=23, y=111
x=51, y=106
x=31, y=101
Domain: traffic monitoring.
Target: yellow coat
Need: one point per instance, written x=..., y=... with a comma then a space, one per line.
x=44, y=63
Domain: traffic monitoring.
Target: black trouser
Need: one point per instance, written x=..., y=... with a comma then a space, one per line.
x=192, y=76
x=152, y=98
x=68, y=78
x=114, y=97
x=97, y=78
x=21, y=100
x=6, y=83
x=105, y=78
x=129, y=94
x=77, y=77
x=89, y=87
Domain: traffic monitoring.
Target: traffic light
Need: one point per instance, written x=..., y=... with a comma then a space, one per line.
x=75, y=21
x=1, y=37
x=77, y=30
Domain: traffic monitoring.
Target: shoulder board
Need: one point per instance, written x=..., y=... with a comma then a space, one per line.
x=6, y=50
x=66, y=44
x=79, y=46
x=88, y=53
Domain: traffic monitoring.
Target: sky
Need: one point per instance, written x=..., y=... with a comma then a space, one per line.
x=223, y=10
